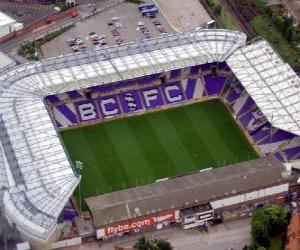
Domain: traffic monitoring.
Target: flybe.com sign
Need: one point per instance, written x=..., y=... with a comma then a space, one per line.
x=147, y=221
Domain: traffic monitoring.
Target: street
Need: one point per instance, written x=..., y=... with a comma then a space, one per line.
x=230, y=235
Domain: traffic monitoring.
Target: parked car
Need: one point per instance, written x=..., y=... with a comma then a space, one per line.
x=79, y=42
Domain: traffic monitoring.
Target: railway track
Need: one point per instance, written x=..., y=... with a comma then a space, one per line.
x=231, y=6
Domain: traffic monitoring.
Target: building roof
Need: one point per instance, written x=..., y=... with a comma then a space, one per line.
x=293, y=232
x=5, y=19
x=34, y=168
x=185, y=191
x=271, y=82
x=294, y=8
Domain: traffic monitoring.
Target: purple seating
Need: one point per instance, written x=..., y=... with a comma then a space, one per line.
x=53, y=99
x=292, y=152
x=67, y=113
x=279, y=157
x=247, y=106
x=214, y=84
x=262, y=133
x=175, y=73
x=74, y=94
x=148, y=79
x=279, y=135
x=102, y=89
x=195, y=70
x=190, y=88
x=69, y=213
x=124, y=84
x=206, y=67
x=239, y=88
x=141, y=94
x=232, y=96
x=246, y=119
x=223, y=66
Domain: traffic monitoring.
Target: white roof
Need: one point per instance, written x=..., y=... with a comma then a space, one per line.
x=5, y=19
x=34, y=167
x=271, y=82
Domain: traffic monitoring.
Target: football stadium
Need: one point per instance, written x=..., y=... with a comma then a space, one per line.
x=144, y=134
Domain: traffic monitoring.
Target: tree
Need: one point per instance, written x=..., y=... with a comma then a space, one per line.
x=276, y=219
x=217, y=9
x=260, y=233
x=261, y=248
x=155, y=244
x=268, y=222
x=161, y=244
x=142, y=244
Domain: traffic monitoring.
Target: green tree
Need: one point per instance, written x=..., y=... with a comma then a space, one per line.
x=217, y=9
x=276, y=219
x=160, y=244
x=155, y=244
x=268, y=222
x=143, y=244
x=261, y=248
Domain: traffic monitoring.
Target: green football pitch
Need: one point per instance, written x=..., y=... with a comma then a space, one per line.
x=139, y=150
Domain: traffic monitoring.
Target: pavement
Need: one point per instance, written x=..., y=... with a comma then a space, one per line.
x=183, y=15
x=231, y=235
x=128, y=15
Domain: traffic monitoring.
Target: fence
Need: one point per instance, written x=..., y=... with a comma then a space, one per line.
x=66, y=243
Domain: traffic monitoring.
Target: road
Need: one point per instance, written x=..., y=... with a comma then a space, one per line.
x=230, y=235
x=11, y=45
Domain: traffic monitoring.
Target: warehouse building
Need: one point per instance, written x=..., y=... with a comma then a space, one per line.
x=8, y=25
x=191, y=200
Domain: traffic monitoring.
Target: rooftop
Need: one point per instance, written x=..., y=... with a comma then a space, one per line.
x=294, y=8
x=271, y=82
x=5, y=19
x=185, y=191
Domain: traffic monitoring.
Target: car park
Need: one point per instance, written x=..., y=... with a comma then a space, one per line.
x=75, y=49
x=79, y=42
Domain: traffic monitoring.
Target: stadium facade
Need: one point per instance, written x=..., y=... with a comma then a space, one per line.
x=37, y=99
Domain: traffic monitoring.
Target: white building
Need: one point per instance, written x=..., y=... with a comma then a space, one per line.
x=8, y=25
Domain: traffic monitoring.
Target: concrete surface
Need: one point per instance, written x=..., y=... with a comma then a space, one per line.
x=231, y=235
x=184, y=15
x=129, y=17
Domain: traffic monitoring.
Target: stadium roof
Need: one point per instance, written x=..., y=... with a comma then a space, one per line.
x=34, y=169
x=271, y=82
x=186, y=191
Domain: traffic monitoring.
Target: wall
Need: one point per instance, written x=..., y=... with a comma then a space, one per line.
x=250, y=196
x=4, y=30
x=66, y=243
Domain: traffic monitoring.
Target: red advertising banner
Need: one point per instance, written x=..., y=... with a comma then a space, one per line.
x=146, y=221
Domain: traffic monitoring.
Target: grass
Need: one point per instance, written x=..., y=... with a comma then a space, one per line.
x=139, y=150
x=225, y=17
x=265, y=28
x=276, y=243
